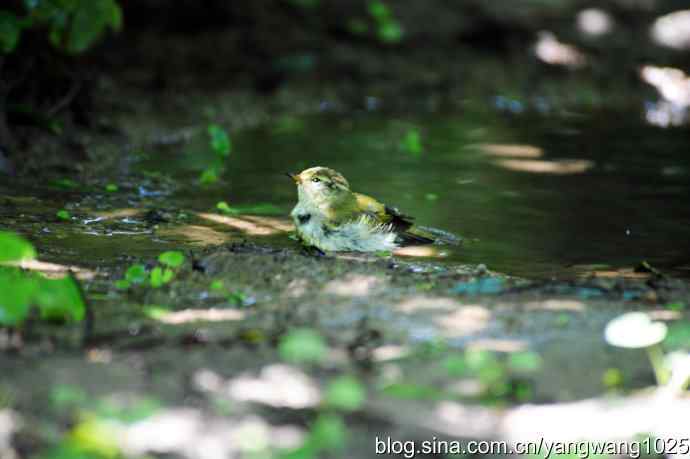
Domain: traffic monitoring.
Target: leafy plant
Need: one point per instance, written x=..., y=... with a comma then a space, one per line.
x=63, y=215
x=14, y=248
x=160, y=275
x=388, y=29
x=209, y=175
x=73, y=25
x=55, y=299
x=220, y=140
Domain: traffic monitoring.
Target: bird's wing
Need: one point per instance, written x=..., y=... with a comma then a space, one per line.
x=387, y=215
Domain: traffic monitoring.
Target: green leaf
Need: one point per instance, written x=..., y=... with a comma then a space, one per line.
x=65, y=183
x=390, y=32
x=225, y=208
x=328, y=432
x=378, y=10
x=217, y=285
x=677, y=306
x=303, y=345
x=17, y=293
x=455, y=365
x=171, y=258
x=157, y=277
x=60, y=299
x=612, y=378
x=161, y=276
x=209, y=175
x=412, y=142
x=136, y=274
x=89, y=21
x=10, y=31
x=678, y=336
x=122, y=284
x=66, y=395
x=15, y=248
x=168, y=275
x=111, y=188
x=345, y=393
x=524, y=361
x=63, y=215
x=254, y=209
x=220, y=141
x=156, y=312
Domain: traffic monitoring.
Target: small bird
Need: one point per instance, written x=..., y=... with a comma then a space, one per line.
x=330, y=217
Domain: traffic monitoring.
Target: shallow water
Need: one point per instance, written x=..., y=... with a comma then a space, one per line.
x=532, y=195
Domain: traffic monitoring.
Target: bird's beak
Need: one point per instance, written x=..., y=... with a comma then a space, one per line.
x=294, y=177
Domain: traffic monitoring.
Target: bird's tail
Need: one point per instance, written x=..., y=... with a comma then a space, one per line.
x=420, y=235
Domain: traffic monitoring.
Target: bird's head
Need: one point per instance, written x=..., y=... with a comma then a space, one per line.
x=319, y=185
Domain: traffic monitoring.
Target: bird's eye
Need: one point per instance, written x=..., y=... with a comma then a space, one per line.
x=316, y=180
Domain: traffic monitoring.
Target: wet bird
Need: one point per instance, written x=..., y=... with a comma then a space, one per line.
x=331, y=217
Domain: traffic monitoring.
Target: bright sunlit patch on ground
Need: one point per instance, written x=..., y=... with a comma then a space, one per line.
x=196, y=234
x=252, y=225
x=277, y=385
x=558, y=167
x=594, y=22
x=54, y=270
x=554, y=52
x=672, y=30
x=199, y=315
x=499, y=345
x=116, y=214
x=665, y=314
x=464, y=321
x=390, y=352
x=421, y=303
x=511, y=150
x=556, y=305
x=188, y=432
x=353, y=285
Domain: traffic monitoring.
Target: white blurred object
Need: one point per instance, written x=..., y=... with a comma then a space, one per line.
x=9, y=424
x=672, y=30
x=673, y=86
x=548, y=49
x=594, y=22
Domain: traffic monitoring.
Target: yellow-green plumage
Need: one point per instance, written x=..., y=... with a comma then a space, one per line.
x=331, y=217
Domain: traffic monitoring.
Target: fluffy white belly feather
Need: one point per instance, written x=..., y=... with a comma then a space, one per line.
x=359, y=235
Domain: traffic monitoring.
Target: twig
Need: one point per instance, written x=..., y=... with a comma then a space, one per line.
x=66, y=99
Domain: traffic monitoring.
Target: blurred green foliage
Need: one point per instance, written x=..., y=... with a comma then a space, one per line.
x=388, y=29
x=256, y=209
x=221, y=145
x=345, y=393
x=15, y=248
x=63, y=215
x=72, y=26
x=55, y=299
x=220, y=140
x=303, y=345
x=160, y=275
x=412, y=142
